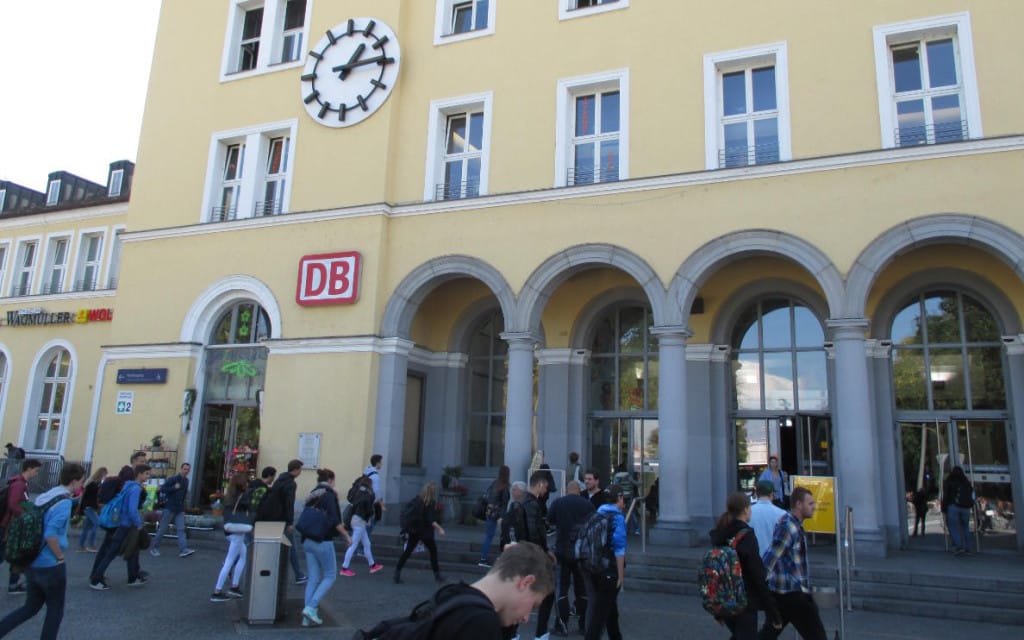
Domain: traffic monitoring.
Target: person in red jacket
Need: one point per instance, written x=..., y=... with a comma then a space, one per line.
x=17, y=493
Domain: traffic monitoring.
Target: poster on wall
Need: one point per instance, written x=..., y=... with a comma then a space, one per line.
x=823, y=488
x=309, y=450
x=125, y=401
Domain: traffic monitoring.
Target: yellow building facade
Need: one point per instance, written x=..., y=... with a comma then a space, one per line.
x=458, y=232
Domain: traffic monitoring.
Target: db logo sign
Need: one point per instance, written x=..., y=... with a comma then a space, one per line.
x=328, y=278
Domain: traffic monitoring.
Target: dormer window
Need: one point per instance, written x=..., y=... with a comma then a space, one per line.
x=116, y=180
x=53, y=193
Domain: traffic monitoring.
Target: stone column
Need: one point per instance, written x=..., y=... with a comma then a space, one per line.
x=1015, y=431
x=674, y=526
x=559, y=403
x=519, y=403
x=389, y=425
x=856, y=459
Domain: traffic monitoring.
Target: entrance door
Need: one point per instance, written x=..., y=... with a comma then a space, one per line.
x=803, y=443
x=230, y=443
x=632, y=442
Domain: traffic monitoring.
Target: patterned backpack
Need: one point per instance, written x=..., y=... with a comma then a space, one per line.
x=720, y=579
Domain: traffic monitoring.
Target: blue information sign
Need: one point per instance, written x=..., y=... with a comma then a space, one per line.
x=141, y=376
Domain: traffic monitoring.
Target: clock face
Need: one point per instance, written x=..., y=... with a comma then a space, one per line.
x=350, y=72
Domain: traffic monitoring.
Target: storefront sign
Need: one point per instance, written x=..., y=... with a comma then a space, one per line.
x=823, y=488
x=141, y=376
x=125, y=400
x=328, y=278
x=37, y=317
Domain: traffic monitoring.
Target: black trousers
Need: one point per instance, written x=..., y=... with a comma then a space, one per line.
x=743, y=626
x=568, y=571
x=415, y=537
x=603, y=609
x=799, y=610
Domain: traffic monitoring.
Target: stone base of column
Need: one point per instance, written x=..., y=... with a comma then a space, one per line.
x=869, y=543
x=676, y=534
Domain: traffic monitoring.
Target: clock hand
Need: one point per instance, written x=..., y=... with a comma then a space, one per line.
x=344, y=69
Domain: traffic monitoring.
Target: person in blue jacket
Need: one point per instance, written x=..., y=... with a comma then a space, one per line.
x=47, y=575
x=130, y=519
x=603, y=589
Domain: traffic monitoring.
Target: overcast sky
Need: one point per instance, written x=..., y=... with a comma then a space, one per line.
x=74, y=76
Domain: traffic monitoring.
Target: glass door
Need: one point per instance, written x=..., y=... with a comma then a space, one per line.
x=815, y=445
x=981, y=447
x=625, y=444
x=230, y=443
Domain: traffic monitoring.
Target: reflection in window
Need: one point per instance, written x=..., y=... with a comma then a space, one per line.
x=947, y=354
x=244, y=323
x=488, y=385
x=624, y=364
x=779, y=358
x=52, y=402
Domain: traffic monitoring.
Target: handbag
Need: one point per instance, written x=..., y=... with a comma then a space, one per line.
x=314, y=523
x=480, y=508
x=236, y=521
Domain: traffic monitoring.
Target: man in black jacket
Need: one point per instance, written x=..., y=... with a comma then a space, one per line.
x=566, y=514
x=284, y=490
x=537, y=531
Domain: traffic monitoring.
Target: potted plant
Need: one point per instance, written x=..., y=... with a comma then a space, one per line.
x=450, y=477
x=157, y=442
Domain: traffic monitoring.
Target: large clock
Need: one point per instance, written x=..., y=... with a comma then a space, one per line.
x=350, y=72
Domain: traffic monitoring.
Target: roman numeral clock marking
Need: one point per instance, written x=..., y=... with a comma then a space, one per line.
x=350, y=72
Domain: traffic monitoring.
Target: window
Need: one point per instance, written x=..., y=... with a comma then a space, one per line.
x=90, y=252
x=116, y=180
x=624, y=362
x=592, y=132
x=24, y=268
x=249, y=173
x=457, y=20
x=53, y=192
x=3, y=377
x=927, y=87
x=746, y=107
x=56, y=265
x=263, y=36
x=52, y=400
x=577, y=8
x=235, y=362
x=3, y=200
x=114, y=269
x=488, y=386
x=3, y=264
x=458, y=148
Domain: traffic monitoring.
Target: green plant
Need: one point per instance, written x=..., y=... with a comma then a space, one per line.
x=451, y=475
x=157, y=441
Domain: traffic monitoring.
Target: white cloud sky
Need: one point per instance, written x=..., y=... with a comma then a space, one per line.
x=74, y=76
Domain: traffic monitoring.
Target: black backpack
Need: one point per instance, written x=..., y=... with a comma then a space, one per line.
x=353, y=491
x=421, y=621
x=592, y=544
x=4, y=492
x=271, y=506
x=412, y=515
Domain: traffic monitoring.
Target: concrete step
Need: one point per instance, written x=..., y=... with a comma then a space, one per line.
x=994, y=614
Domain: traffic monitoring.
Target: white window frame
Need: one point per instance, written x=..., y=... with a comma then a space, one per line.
x=3, y=199
x=565, y=113
x=959, y=26
x=271, y=38
x=5, y=257
x=82, y=261
x=5, y=376
x=437, y=128
x=734, y=60
x=53, y=193
x=299, y=32
x=113, y=270
x=281, y=177
x=567, y=9
x=116, y=183
x=51, y=265
x=33, y=394
x=443, y=22
x=17, y=269
x=254, y=162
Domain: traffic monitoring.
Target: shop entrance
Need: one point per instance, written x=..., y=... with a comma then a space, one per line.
x=230, y=443
x=803, y=443
x=629, y=442
x=931, y=448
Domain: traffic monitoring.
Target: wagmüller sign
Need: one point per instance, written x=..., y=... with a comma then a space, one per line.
x=37, y=317
x=329, y=278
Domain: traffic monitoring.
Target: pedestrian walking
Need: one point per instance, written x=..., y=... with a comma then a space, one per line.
x=321, y=561
x=603, y=589
x=279, y=506
x=17, y=492
x=733, y=529
x=89, y=509
x=362, y=514
x=236, y=501
x=779, y=479
x=566, y=515
x=786, y=563
x=175, y=491
x=372, y=472
x=958, y=505
x=534, y=530
x=419, y=520
x=47, y=576
x=575, y=468
x=592, y=482
x=497, y=500
x=920, y=502
x=764, y=514
x=130, y=521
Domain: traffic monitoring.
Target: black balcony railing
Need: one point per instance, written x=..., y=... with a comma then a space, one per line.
x=84, y=284
x=931, y=134
x=574, y=176
x=269, y=208
x=49, y=288
x=766, y=153
x=223, y=214
x=20, y=290
x=457, y=190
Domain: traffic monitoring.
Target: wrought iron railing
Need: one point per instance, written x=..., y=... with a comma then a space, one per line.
x=223, y=214
x=457, y=190
x=574, y=176
x=18, y=291
x=270, y=208
x=931, y=133
x=85, y=284
x=49, y=288
x=112, y=282
x=766, y=153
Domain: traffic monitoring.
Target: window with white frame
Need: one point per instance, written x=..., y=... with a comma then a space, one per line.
x=264, y=35
x=52, y=391
x=3, y=199
x=249, y=173
x=24, y=268
x=3, y=264
x=592, y=132
x=90, y=253
x=53, y=192
x=746, y=107
x=927, y=87
x=116, y=182
x=56, y=265
x=578, y=8
x=458, y=148
x=3, y=376
x=114, y=266
x=457, y=20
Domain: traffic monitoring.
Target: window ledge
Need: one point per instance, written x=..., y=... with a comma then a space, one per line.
x=259, y=71
x=565, y=13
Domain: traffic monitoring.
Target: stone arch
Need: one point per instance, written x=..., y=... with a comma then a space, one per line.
x=990, y=236
x=207, y=306
x=733, y=246
x=558, y=268
x=415, y=287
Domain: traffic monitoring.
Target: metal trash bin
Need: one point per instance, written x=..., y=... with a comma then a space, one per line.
x=268, y=570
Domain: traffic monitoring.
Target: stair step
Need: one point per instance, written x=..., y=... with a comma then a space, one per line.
x=970, y=613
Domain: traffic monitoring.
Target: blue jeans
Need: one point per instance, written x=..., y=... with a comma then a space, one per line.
x=45, y=586
x=179, y=527
x=492, y=527
x=293, y=554
x=89, y=528
x=322, y=565
x=959, y=521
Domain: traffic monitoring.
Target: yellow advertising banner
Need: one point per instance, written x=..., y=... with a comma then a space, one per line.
x=823, y=488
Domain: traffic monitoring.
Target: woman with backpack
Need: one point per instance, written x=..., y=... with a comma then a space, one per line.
x=362, y=502
x=733, y=529
x=319, y=523
x=497, y=501
x=236, y=503
x=958, y=505
x=418, y=519
x=89, y=509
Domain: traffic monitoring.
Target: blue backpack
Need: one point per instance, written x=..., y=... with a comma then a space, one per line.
x=110, y=515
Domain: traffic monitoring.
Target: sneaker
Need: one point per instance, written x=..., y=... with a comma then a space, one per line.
x=219, y=596
x=348, y=573
x=546, y=636
x=154, y=552
x=82, y=550
x=309, y=613
x=92, y=549
x=560, y=629
x=235, y=592
x=138, y=582
x=301, y=580
x=484, y=564
x=17, y=590
x=99, y=586
x=376, y=568
x=186, y=553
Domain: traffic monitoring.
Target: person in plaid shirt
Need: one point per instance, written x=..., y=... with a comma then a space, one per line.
x=788, y=577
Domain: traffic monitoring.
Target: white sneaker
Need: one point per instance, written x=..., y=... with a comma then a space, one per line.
x=546, y=636
x=154, y=552
x=186, y=553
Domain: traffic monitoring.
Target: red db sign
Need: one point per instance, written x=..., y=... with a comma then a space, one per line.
x=328, y=278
